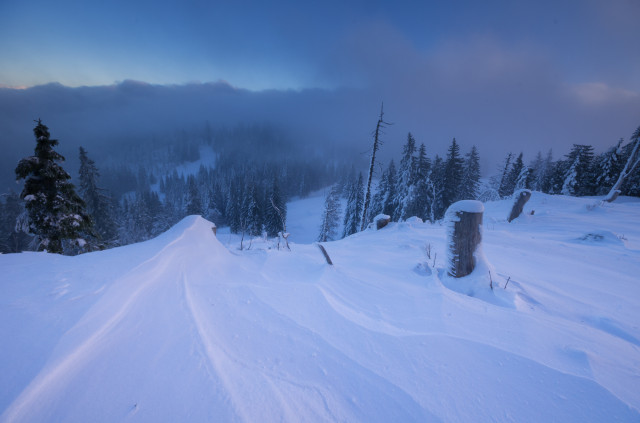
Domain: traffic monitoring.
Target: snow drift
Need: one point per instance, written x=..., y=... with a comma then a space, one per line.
x=184, y=328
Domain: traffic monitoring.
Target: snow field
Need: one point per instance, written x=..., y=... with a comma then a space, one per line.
x=183, y=328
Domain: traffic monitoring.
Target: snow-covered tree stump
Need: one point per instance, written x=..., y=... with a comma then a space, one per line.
x=464, y=220
x=381, y=221
x=520, y=199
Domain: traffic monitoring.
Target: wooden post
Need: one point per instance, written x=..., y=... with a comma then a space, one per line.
x=464, y=220
x=520, y=199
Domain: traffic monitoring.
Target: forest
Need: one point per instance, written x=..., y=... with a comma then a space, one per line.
x=250, y=173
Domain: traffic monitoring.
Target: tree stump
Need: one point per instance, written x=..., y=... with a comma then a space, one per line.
x=381, y=221
x=520, y=199
x=464, y=220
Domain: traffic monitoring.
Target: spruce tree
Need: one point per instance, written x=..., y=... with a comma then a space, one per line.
x=276, y=210
x=353, y=211
x=579, y=177
x=608, y=168
x=453, y=168
x=385, y=193
x=436, y=188
x=419, y=206
x=503, y=184
x=193, y=201
x=330, y=216
x=56, y=213
x=470, y=176
x=98, y=203
x=405, y=184
x=512, y=177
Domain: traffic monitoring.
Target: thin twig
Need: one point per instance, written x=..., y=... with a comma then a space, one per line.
x=505, y=285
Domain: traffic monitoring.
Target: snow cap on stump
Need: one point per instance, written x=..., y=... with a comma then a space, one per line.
x=464, y=234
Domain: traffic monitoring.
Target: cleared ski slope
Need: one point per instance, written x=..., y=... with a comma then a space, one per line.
x=184, y=328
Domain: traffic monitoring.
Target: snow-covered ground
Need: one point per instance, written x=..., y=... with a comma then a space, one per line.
x=186, y=328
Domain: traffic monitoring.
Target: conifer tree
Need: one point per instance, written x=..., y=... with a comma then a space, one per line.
x=193, y=201
x=579, y=178
x=503, y=184
x=12, y=240
x=98, y=204
x=353, y=211
x=509, y=185
x=436, y=189
x=609, y=167
x=419, y=206
x=405, y=184
x=330, y=216
x=56, y=213
x=452, y=175
x=276, y=210
x=470, y=176
x=383, y=199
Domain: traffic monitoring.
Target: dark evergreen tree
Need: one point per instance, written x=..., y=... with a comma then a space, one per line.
x=436, y=207
x=56, y=213
x=330, y=216
x=420, y=205
x=470, y=176
x=98, y=204
x=405, y=184
x=251, y=218
x=12, y=240
x=511, y=181
x=276, y=210
x=608, y=168
x=578, y=177
x=385, y=193
x=453, y=169
x=503, y=183
x=193, y=201
x=353, y=211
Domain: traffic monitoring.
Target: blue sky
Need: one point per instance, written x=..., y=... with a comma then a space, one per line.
x=295, y=45
x=503, y=75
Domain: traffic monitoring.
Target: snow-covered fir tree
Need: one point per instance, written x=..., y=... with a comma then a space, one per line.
x=436, y=188
x=608, y=168
x=11, y=239
x=503, y=181
x=420, y=204
x=405, y=184
x=579, y=177
x=330, y=216
x=353, y=211
x=453, y=168
x=470, y=175
x=509, y=185
x=99, y=205
x=193, y=202
x=276, y=210
x=382, y=201
x=56, y=213
x=524, y=179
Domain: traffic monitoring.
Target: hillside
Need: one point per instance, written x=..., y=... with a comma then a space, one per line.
x=185, y=327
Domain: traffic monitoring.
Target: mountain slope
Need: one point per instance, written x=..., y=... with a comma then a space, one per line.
x=183, y=328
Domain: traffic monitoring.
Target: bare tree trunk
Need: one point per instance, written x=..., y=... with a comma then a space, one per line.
x=376, y=146
x=632, y=162
x=464, y=236
x=520, y=199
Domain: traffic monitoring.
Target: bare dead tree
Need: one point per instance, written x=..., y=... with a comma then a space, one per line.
x=632, y=163
x=376, y=147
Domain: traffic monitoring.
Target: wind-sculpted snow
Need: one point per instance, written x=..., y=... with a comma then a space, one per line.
x=184, y=328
